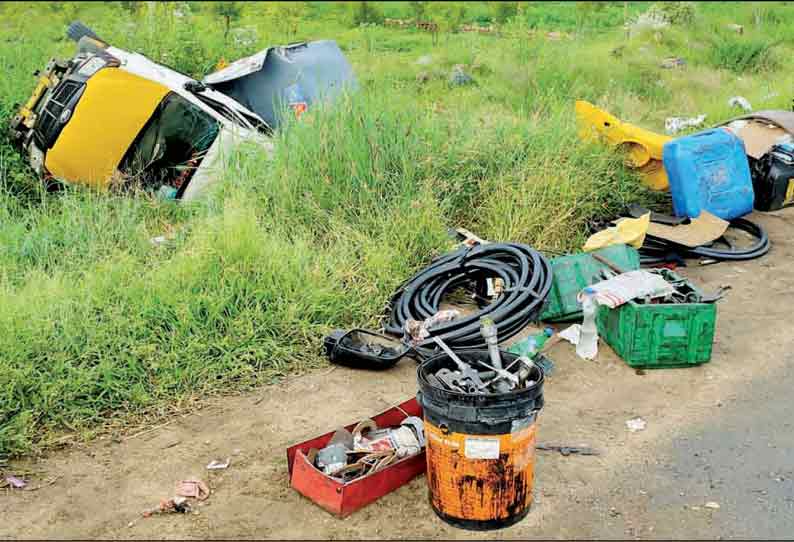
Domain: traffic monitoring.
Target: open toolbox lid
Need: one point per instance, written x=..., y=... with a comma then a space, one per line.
x=294, y=76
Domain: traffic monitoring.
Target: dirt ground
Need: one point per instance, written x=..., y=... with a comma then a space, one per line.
x=718, y=433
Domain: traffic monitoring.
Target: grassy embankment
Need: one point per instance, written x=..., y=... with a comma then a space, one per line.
x=98, y=325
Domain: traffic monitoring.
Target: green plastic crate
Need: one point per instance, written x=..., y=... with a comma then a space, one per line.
x=659, y=336
x=575, y=272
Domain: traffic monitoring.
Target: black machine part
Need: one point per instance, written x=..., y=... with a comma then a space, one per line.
x=364, y=349
x=773, y=178
x=636, y=211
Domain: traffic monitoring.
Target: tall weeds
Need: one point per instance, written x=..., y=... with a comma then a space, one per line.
x=97, y=322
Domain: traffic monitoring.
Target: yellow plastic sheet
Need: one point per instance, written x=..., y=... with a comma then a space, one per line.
x=643, y=148
x=629, y=231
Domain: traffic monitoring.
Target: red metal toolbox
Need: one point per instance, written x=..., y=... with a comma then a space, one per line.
x=343, y=499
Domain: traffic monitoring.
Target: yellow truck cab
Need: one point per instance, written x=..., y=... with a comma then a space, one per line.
x=109, y=117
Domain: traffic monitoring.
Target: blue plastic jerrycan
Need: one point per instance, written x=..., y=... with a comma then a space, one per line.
x=709, y=170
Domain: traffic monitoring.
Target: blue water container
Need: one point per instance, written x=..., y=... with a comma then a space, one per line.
x=709, y=170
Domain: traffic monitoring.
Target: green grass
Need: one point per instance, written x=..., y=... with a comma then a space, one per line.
x=97, y=325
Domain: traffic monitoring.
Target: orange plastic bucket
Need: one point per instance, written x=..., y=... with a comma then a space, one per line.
x=480, y=448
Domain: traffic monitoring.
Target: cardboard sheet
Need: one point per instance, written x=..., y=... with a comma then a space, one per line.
x=701, y=230
x=758, y=137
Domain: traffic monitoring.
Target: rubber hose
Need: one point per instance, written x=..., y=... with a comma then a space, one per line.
x=526, y=275
x=654, y=249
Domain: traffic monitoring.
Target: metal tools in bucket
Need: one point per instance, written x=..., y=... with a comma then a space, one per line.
x=480, y=429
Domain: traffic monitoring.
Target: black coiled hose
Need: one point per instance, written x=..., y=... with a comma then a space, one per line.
x=656, y=250
x=526, y=276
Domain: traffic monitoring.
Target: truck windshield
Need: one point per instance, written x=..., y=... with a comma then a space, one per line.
x=171, y=145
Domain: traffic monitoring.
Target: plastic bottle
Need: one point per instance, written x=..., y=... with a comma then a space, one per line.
x=532, y=344
x=587, y=347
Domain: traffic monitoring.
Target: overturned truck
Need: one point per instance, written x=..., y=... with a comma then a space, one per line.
x=109, y=117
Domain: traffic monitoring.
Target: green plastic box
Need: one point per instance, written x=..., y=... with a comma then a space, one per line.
x=575, y=272
x=659, y=336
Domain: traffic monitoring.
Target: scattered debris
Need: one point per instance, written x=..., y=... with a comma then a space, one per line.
x=739, y=29
x=419, y=331
x=349, y=491
x=363, y=349
x=721, y=184
x=642, y=148
x=567, y=450
x=15, y=482
x=544, y=362
x=645, y=284
x=636, y=424
x=652, y=19
x=168, y=506
x=573, y=272
x=630, y=231
x=524, y=269
x=587, y=345
x=658, y=251
x=687, y=232
x=673, y=62
x=160, y=240
x=532, y=344
x=739, y=101
x=193, y=488
x=459, y=77
x=772, y=176
x=47, y=482
x=216, y=464
x=573, y=335
x=467, y=238
x=477, y=28
x=424, y=60
x=333, y=457
x=465, y=429
x=673, y=125
x=760, y=135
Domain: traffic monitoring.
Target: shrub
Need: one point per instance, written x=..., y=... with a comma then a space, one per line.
x=681, y=13
x=366, y=13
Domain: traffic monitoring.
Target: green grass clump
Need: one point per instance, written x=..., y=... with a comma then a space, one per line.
x=743, y=55
x=97, y=323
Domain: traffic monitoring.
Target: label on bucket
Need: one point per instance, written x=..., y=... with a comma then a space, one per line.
x=481, y=448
